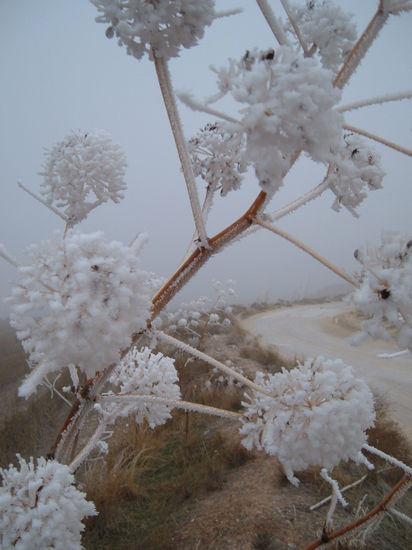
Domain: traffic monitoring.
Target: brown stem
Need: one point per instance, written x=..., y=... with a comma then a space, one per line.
x=361, y=47
x=381, y=507
x=199, y=257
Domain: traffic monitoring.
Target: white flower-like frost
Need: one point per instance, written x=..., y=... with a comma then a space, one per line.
x=165, y=26
x=317, y=415
x=385, y=290
x=82, y=171
x=145, y=373
x=78, y=302
x=40, y=507
x=289, y=105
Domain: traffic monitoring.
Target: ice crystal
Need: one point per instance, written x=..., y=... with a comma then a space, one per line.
x=82, y=171
x=288, y=106
x=40, y=507
x=218, y=157
x=77, y=302
x=385, y=291
x=317, y=415
x=145, y=373
x=165, y=26
x=356, y=169
x=325, y=25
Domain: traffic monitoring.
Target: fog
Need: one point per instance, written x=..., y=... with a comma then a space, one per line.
x=60, y=73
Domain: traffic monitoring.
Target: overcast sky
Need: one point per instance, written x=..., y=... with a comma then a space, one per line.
x=60, y=73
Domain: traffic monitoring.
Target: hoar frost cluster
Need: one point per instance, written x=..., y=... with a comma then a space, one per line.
x=289, y=105
x=40, y=508
x=78, y=302
x=145, y=373
x=218, y=157
x=165, y=26
x=354, y=170
x=326, y=26
x=81, y=172
x=385, y=290
x=317, y=415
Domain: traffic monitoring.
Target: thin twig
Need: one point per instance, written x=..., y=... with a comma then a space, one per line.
x=346, y=488
x=207, y=359
x=289, y=12
x=379, y=139
x=273, y=22
x=49, y=206
x=381, y=507
x=176, y=126
x=378, y=100
x=360, y=48
x=306, y=249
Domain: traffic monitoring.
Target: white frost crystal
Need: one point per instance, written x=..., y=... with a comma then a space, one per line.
x=162, y=25
x=326, y=25
x=40, y=508
x=82, y=171
x=355, y=169
x=145, y=373
x=289, y=105
x=218, y=157
x=77, y=302
x=317, y=416
x=385, y=291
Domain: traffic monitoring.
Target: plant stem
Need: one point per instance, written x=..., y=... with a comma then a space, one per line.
x=380, y=508
x=379, y=139
x=204, y=357
x=306, y=249
x=289, y=12
x=273, y=22
x=361, y=47
x=163, y=76
x=375, y=101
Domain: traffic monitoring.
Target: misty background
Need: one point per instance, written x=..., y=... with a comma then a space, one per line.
x=60, y=73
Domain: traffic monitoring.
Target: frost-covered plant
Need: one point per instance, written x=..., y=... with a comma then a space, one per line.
x=83, y=170
x=326, y=27
x=218, y=157
x=145, y=373
x=385, y=290
x=315, y=414
x=288, y=105
x=77, y=301
x=355, y=170
x=40, y=507
x=165, y=26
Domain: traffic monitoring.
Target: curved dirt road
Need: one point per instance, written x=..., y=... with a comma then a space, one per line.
x=322, y=329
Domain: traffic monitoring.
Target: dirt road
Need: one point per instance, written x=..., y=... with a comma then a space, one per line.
x=323, y=329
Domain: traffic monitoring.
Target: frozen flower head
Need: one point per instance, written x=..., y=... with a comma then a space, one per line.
x=355, y=170
x=385, y=290
x=317, y=416
x=77, y=302
x=163, y=25
x=218, y=157
x=40, y=507
x=153, y=375
x=82, y=171
x=326, y=26
x=288, y=106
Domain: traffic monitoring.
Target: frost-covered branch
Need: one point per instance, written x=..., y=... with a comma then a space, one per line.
x=39, y=199
x=306, y=249
x=378, y=100
x=293, y=22
x=379, y=139
x=165, y=82
x=8, y=257
x=389, y=458
x=361, y=47
x=273, y=22
x=210, y=360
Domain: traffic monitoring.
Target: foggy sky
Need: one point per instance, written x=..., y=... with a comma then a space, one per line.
x=60, y=73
